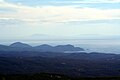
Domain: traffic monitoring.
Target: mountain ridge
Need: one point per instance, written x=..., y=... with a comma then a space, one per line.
x=19, y=46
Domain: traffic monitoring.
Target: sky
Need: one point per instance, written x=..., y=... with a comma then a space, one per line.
x=20, y=18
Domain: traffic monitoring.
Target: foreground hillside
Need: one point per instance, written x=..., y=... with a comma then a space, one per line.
x=48, y=76
x=70, y=64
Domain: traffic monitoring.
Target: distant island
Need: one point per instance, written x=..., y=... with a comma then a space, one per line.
x=18, y=46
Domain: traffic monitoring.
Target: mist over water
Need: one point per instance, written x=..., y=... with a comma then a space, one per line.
x=105, y=46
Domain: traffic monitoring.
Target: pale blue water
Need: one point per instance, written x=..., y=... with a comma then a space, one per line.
x=106, y=46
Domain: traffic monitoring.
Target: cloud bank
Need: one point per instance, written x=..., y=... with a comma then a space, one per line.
x=53, y=14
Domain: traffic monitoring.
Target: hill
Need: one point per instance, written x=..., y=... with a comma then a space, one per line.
x=18, y=46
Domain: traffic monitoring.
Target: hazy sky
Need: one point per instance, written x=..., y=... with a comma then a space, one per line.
x=59, y=17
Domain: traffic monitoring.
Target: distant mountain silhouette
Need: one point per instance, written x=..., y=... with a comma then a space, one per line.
x=4, y=48
x=18, y=46
x=68, y=48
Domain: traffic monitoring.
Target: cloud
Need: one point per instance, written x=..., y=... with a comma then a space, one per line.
x=57, y=14
x=10, y=21
x=89, y=1
x=7, y=10
x=1, y=0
